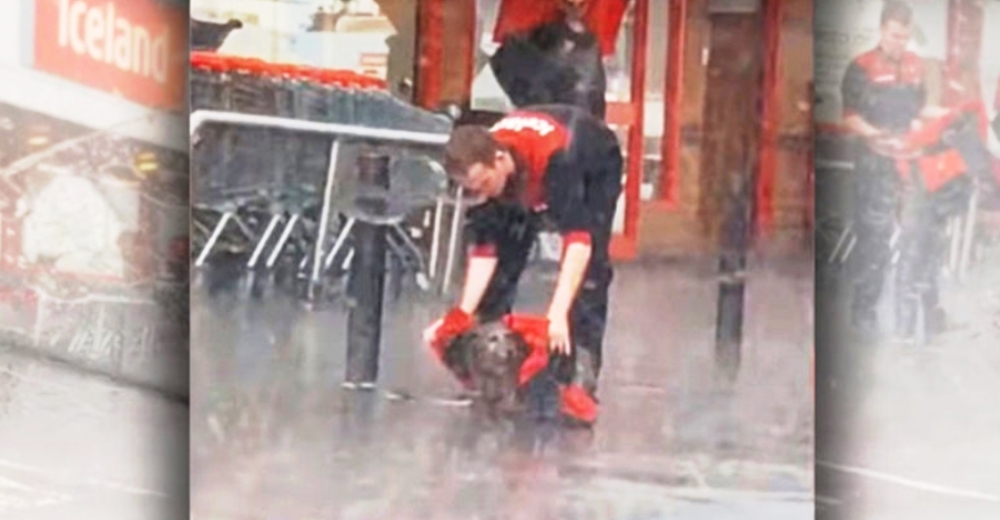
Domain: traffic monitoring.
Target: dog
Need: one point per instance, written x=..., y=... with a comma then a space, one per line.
x=488, y=360
x=508, y=369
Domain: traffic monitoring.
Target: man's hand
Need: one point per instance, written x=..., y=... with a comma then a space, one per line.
x=454, y=323
x=430, y=333
x=889, y=145
x=559, y=340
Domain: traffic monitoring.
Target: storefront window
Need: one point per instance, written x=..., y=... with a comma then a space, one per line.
x=84, y=209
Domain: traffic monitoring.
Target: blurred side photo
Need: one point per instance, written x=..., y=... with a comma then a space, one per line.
x=501, y=259
x=906, y=259
x=93, y=259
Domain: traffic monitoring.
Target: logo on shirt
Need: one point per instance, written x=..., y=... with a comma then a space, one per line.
x=520, y=123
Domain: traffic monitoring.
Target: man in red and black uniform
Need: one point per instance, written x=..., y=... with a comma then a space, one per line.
x=884, y=97
x=556, y=165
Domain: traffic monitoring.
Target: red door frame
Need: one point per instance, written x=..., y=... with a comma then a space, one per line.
x=673, y=102
x=767, y=151
x=430, y=53
x=625, y=246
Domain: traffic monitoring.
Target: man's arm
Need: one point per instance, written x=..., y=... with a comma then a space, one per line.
x=576, y=258
x=567, y=205
x=852, y=93
x=482, y=236
x=478, y=275
x=927, y=110
x=858, y=126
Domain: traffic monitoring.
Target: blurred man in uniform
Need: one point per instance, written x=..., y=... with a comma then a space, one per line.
x=552, y=51
x=561, y=164
x=556, y=62
x=884, y=97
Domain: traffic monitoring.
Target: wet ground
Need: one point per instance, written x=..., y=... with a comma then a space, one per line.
x=274, y=435
x=135, y=336
x=75, y=445
x=914, y=432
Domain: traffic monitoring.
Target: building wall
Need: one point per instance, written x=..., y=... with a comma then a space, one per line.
x=678, y=230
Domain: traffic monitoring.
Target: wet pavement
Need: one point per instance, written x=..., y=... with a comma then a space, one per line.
x=274, y=435
x=74, y=445
x=137, y=336
x=914, y=432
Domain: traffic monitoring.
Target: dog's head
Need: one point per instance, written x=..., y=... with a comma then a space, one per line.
x=495, y=355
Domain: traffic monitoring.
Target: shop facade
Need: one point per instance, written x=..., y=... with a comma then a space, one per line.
x=93, y=181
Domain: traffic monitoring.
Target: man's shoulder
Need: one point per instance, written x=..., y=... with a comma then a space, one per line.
x=913, y=60
x=867, y=59
x=874, y=62
x=534, y=120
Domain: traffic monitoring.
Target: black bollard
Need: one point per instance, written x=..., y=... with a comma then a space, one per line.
x=735, y=238
x=367, y=281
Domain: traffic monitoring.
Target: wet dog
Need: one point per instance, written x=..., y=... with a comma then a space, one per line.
x=489, y=359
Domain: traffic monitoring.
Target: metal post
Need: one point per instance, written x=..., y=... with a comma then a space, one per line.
x=432, y=267
x=968, y=234
x=339, y=243
x=324, y=218
x=259, y=250
x=732, y=281
x=453, y=240
x=216, y=233
x=282, y=240
x=366, y=285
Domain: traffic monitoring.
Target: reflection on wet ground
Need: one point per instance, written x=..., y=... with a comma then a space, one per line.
x=136, y=335
x=78, y=446
x=914, y=432
x=274, y=436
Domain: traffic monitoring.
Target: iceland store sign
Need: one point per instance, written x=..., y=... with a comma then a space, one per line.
x=136, y=49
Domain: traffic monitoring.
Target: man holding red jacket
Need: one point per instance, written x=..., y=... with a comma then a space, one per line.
x=553, y=164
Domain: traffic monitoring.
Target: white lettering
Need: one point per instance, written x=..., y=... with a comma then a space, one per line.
x=123, y=44
x=100, y=33
x=63, y=23
x=159, y=58
x=140, y=51
x=76, y=11
x=520, y=123
x=94, y=32
x=109, y=34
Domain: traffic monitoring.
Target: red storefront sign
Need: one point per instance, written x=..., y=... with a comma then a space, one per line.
x=133, y=48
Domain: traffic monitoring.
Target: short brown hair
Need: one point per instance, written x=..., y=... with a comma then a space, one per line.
x=469, y=145
x=897, y=11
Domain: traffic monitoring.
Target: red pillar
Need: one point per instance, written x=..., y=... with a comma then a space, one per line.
x=636, y=137
x=770, y=120
x=673, y=102
x=965, y=37
x=430, y=52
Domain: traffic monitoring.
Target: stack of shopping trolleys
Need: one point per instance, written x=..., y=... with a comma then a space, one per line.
x=259, y=191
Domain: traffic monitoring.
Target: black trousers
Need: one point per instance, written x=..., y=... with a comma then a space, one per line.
x=589, y=314
x=876, y=187
x=922, y=250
